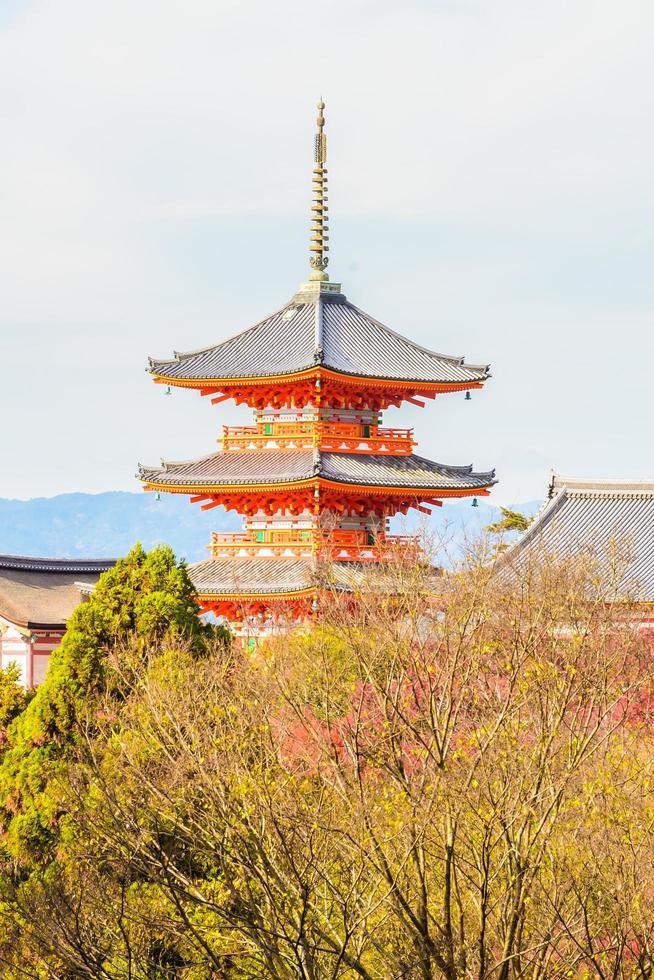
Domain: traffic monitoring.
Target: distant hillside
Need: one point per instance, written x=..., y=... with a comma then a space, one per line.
x=106, y=525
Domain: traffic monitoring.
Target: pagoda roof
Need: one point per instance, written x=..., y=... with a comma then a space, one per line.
x=267, y=576
x=268, y=467
x=41, y=593
x=319, y=328
x=606, y=521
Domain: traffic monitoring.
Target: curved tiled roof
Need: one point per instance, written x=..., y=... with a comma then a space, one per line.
x=270, y=576
x=281, y=466
x=410, y=471
x=264, y=466
x=319, y=329
x=608, y=521
x=43, y=592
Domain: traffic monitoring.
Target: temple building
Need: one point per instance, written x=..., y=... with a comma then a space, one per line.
x=608, y=522
x=37, y=596
x=317, y=475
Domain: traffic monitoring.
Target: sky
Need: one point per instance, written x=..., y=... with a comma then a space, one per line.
x=491, y=195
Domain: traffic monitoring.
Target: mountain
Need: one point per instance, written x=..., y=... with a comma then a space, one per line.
x=106, y=525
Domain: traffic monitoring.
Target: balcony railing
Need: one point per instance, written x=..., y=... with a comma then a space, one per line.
x=335, y=436
x=341, y=544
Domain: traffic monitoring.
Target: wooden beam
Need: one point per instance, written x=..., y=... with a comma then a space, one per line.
x=210, y=505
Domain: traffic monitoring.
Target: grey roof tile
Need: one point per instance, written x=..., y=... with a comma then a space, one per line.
x=324, y=330
x=607, y=521
x=221, y=576
x=356, y=343
x=43, y=592
x=66, y=565
x=265, y=466
x=410, y=471
x=280, y=466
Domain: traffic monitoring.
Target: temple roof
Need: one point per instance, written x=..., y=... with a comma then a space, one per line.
x=283, y=466
x=319, y=328
x=43, y=592
x=607, y=521
x=266, y=576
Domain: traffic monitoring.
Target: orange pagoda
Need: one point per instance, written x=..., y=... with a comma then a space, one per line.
x=317, y=474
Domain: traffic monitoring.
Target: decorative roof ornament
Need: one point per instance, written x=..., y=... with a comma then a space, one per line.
x=319, y=208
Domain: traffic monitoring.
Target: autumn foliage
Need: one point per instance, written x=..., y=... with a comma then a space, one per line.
x=446, y=777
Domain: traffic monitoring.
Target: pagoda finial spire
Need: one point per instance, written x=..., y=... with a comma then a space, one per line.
x=319, y=208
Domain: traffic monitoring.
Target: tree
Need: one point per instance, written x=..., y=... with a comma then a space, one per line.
x=417, y=788
x=13, y=697
x=511, y=520
x=145, y=599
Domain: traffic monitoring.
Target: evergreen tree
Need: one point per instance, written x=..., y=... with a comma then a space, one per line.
x=13, y=697
x=145, y=600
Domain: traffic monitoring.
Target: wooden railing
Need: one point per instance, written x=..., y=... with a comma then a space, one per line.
x=269, y=536
x=352, y=437
x=343, y=543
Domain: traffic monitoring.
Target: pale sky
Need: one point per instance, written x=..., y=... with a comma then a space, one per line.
x=491, y=195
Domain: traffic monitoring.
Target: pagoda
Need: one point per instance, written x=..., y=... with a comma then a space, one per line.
x=317, y=475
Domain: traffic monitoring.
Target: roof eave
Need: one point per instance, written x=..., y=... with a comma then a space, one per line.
x=244, y=594
x=318, y=368
x=61, y=566
x=54, y=627
x=300, y=483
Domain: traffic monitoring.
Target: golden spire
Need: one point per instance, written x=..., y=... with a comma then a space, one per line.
x=319, y=219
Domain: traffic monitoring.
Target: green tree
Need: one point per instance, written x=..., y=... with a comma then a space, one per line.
x=13, y=698
x=511, y=520
x=145, y=600
x=460, y=790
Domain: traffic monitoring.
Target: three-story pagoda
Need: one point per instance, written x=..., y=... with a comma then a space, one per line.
x=317, y=475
